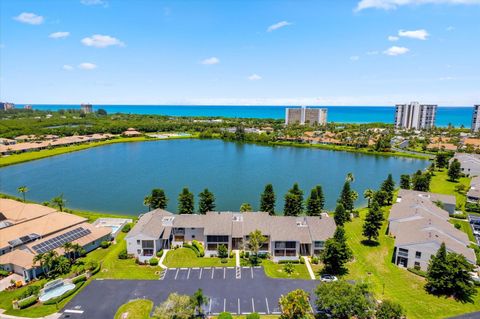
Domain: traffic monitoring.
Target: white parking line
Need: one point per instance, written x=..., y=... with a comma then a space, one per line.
x=239, y=306
x=188, y=275
x=210, y=306
x=200, y=275
x=224, y=304
x=251, y=270
x=266, y=302
x=224, y=272
x=73, y=311
x=253, y=306
x=176, y=274
x=213, y=270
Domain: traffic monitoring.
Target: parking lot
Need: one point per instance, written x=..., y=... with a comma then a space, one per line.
x=475, y=225
x=239, y=291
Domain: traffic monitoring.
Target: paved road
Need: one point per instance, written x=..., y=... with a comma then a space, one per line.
x=470, y=218
x=252, y=292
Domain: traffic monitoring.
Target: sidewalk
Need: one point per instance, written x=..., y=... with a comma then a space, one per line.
x=160, y=262
x=52, y=316
x=309, y=268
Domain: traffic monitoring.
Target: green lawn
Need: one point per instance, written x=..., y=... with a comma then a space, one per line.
x=373, y=265
x=136, y=309
x=114, y=268
x=185, y=257
x=275, y=270
x=440, y=184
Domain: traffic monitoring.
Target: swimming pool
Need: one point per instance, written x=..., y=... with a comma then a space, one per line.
x=114, y=228
x=56, y=292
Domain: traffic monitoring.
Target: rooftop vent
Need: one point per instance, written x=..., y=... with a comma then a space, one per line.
x=237, y=218
x=301, y=222
x=168, y=220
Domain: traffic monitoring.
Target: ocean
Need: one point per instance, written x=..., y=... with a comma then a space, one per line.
x=456, y=116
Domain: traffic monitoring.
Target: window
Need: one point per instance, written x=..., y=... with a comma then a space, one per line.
x=179, y=238
x=418, y=254
x=193, y=236
x=285, y=248
x=138, y=241
x=147, y=243
x=148, y=252
x=139, y=251
x=417, y=265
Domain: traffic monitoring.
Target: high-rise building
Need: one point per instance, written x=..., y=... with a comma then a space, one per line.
x=304, y=115
x=415, y=116
x=6, y=106
x=476, y=118
x=86, y=108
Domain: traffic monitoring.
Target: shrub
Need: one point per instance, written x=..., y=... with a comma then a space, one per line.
x=247, y=254
x=91, y=265
x=57, y=300
x=225, y=315
x=263, y=255
x=288, y=268
x=199, y=247
x=315, y=260
x=96, y=270
x=253, y=315
x=224, y=260
x=27, y=302
x=295, y=261
x=222, y=251
x=195, y=249
x=3, y=273
x=153, y=261
x=417, y=272
x=30, y=291
x=159, y=253
x=242, y=254
x=457, y=225
x=79, y=279
x=127, y=228
x=302, y=261
x=123, y=254
x=105, y=244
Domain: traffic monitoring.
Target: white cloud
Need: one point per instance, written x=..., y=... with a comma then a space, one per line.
x=59, y=35
x=354, y=58
x=372, y=52
x=94, y=2
x=29, y=18
x=394, y=4
x=87, y=66
x=211, y=61
x=447, y=78
x=421, y=34
x=254, y=77
x=393, y=38
x=278, y=25
x=102, y=41
x=393, y=51
x=450, y=28
x=67, y=67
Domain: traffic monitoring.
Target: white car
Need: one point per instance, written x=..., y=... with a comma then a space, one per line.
x=328, y=278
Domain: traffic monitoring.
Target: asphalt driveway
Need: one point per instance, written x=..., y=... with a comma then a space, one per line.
x=239, y=293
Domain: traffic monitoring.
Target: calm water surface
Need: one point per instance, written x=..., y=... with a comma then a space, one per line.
x=115, y=178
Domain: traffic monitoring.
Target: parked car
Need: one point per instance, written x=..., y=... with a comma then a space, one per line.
x=328, y=278
x=475, y=221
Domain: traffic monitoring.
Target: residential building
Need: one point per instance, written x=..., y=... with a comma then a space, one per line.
x=476, y=118
x=469, y=163
x=86, y=108
x=304, y=115
x=30, y=229
x=5, y=106
x=27, y=107
x=415, y=116
x=419, y=222
x=473, y=194
x=287, y=237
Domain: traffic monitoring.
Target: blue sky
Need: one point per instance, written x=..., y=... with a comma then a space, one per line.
x=271, y=52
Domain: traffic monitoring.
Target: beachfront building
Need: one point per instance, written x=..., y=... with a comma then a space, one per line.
x=469, y=163
x=305, y=115
x=86, y=108
x=27, y=230
x=5, y=106
x=415, y=116
x=27, y=107
x=287, y=237
x=420, y=224
x=473, y=194
x=476, y=118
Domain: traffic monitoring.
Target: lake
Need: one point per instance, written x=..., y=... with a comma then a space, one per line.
x=115, y=178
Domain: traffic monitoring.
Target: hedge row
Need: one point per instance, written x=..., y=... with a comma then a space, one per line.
x=54, y=301
x=199, y=247
x=79, y=279
x=295, y=261
x=417, y=272
x=194, y=248
x=96, y=270
x=27, y=302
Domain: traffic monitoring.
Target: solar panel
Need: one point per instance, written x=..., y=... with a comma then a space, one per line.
x=60, y=240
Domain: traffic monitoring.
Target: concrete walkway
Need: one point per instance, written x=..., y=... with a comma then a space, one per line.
x=160, y=262
x=309, y=267
x=5, y=282
x=52, y=316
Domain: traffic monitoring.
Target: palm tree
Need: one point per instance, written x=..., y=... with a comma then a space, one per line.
x=147, y=201
x=62, y=265
x=59, y=201
x=198, y=301
x=368, y=194
x=22, y=190
x=350, y=178
x=77, y=251
x=67, y=247
x=40, y=259
x=49, y=260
